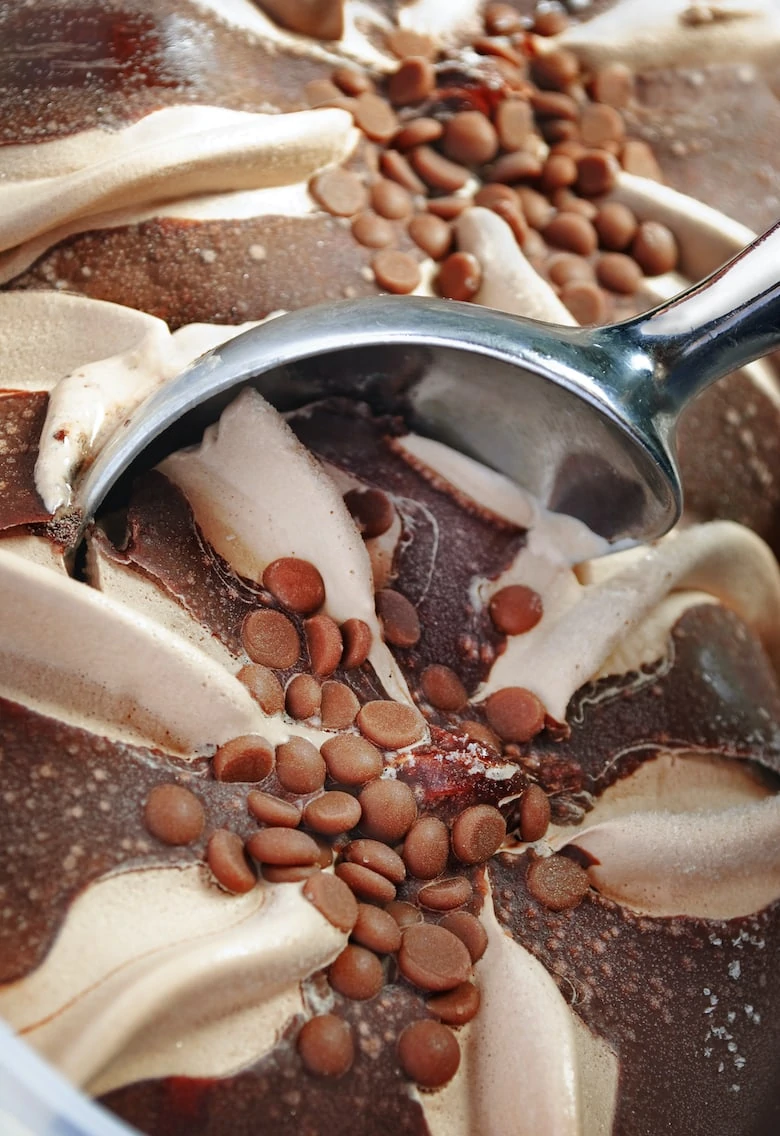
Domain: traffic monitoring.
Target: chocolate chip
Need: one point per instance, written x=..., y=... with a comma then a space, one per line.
x=514, y=167
x=397, y=167
x=550, y=20
x=371, y=509
x=600, y=123
x=636, y=157
x=284, y=847
x=555, y=104
x=340, y=192
x=534, y=813
x=299, y=766
x=391, y=725
x=445, y=895
x=613, y=84
x=320, y=92
x=448, y=208
x=555, y=70
x=322, y=19
x=516, y=714
x=585, y=301
x=433, y=958
x=378, y=857
x=339, y=706
x=429, y=1053
x=289, y=873
x=351, y=81
x=514, y=121
x=351, y=760
x=597, y=173
x=488, y=196
x=569, y=202
x=366, y=883
x=432, y=234
x=654, y=248
x=270, y=638
x=264, y=687
x=225, y=857
x=356, y=973
x=323, y=639
x=483, y=734
x=501, y=50
x=502, y=20
x=469, y=930
x=372, y=231
x=375, y=117
x=302, y=696
x=477, y=833
x=536, y=208
x=400, y=622
x=396, y=272
x=272, y=810
x=333, y=899
x=174, y=814
x=333, y=813
x=564, y=267
x=559, y=170
x=470, y=138
x=460, y=276
x=571, y=231
x=442, y=687
x=514, y=218
x=403, y=42
x=326, y=851
x=427, y=848
x=418, y=132
x=376, y=929
x=295, y=583
x=390, y=199
x=405, y=914
x=246, y=758
x=616, y=226
x=438, y=171
x=456, y=1007
x=557, y=882
x=389, y=810
x=515, y=609
x=412, y=82
x=357, y=643
x=325, y=1046
x=618, y=272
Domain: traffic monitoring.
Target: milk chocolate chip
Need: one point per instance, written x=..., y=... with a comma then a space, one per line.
x=295, y=583
x=389, y=810
x=557, y=882
x=320, y=19
x=433, y=958
x=173, y=814
x=225, y=856
x=270, y=638
x=477, y=833
x=429, y=1053
x=299, y=766
x=325, y=1046
x=246, y=758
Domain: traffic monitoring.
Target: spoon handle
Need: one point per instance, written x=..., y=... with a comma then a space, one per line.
x=729, y=319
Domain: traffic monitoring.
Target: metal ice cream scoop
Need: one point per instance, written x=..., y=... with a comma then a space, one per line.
x=584, y=418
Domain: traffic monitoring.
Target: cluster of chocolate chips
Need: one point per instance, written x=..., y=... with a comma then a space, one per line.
x=403, y=884
x=525, y=133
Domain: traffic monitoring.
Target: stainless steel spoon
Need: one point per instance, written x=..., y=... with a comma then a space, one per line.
x=584, y=418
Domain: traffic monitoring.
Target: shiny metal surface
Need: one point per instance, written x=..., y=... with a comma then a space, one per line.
x=584, y=418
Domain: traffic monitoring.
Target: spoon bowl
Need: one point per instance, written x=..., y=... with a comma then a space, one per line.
x=583, y=418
